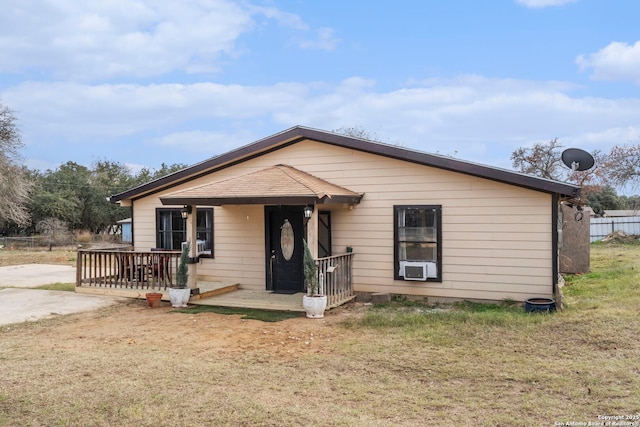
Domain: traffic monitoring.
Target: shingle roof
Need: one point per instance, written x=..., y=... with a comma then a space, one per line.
x=276, y=184
x=301, y=133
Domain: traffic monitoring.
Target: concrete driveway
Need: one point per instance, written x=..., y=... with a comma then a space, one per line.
x=18, y=303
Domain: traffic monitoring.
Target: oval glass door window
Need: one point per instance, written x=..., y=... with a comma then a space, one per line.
x=287, y=240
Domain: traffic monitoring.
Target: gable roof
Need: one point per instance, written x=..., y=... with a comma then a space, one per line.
x=280, y=184
x=300, y=133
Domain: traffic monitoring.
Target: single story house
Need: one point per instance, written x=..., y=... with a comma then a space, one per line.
x=411, y=223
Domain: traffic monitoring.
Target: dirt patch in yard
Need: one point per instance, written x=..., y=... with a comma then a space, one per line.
x=128, y=364
x=135, y=324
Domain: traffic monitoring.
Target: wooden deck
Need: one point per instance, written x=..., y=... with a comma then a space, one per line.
x=226, y=295
x=218, y=294
x=248, y=298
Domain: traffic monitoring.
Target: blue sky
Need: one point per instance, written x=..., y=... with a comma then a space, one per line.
x=144, y=82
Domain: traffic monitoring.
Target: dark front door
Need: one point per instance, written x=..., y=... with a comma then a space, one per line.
x=285, y=251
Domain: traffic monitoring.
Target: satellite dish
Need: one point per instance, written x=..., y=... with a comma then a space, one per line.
x=577, y=159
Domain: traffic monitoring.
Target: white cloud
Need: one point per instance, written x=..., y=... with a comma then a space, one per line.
x=478, y=119
x=210, y=143
x=80, y=110
x=324, y=39
x=98, y=39
x=134, y=39
x=302, y=35
x=617, y=61
x=624, y=135
x=537, y=4
x=285, y=19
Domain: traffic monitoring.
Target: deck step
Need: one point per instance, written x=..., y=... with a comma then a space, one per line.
x=210, y=289
x=258, y=299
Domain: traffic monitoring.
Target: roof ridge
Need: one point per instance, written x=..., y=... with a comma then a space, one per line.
x=300, y=177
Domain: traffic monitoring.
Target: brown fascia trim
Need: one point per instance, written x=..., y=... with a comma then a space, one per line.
x=257, y=200
x=299, y=133
x=448, y=163
x=214, y=164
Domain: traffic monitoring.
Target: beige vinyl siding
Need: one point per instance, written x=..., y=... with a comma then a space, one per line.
x=496, y=238
x=239, y=240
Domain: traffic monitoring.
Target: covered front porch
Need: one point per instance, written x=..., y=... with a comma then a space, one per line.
x=248, y=235
x=133, y=273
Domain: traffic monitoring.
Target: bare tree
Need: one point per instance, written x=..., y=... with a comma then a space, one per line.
x=597, y=176
x=543, y=160
x=14, y=182
x=10, y=140
x=362, y=133
x=54, y=229
x=623, y=165
x=619, y=168
x=356, y=132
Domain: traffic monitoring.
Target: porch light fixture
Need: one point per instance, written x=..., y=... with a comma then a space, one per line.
x=308, y=211
x=184, y=212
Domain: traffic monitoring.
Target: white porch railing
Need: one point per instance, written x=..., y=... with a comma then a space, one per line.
x=336, y=278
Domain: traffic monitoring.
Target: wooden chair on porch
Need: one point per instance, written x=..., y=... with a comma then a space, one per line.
x=127, y=268
x=160, y=266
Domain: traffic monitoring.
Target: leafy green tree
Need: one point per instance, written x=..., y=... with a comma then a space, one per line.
x=630, y=202
x=64, y=193
x=53, y=204
x=146, y=174
x=601, y=198
x=108, y=178
x=78, y=195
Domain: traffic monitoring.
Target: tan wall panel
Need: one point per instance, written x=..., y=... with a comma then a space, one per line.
x=513, y=246
x=502, y=255
x=487, y=281
x=508, y=225
x=491, y=260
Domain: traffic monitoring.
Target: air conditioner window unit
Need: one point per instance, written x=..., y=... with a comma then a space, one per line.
x=418, y=270
x=200, y=247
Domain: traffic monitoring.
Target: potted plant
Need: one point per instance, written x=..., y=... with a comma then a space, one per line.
x=153, y=299
x=314, y=302
x=179, y=295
